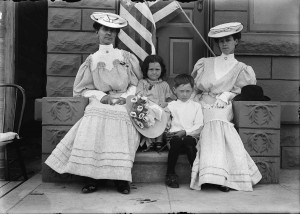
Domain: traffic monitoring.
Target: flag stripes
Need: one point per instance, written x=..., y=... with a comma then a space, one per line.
x=137, y=36
x=164, y=11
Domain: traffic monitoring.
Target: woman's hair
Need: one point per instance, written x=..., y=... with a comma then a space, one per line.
x=183, y=79
x=97, y=27
x=151, y=59
x=235, y=36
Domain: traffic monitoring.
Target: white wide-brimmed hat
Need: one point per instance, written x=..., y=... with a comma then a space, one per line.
x=109, y=19
x=225, y=29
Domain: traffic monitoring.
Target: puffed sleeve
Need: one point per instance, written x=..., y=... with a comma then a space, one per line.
x=245, y=77
x=84, y=84
x=134, y=73
x=197, y=75
x=141, y=87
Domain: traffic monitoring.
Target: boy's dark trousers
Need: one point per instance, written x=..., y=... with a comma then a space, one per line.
x=186, y=144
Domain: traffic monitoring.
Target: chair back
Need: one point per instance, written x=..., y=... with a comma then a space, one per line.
x=12, y=105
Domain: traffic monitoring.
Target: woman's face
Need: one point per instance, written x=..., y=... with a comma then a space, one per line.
x=107, y=35
x=227, y=44
x=154, y=71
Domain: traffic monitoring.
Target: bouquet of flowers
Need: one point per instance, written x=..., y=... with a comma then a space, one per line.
x=143, y=112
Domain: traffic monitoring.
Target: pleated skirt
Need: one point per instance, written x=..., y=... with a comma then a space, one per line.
x=101, y=145
x=221, y=157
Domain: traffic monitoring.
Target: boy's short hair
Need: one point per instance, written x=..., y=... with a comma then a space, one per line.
x=183, y=79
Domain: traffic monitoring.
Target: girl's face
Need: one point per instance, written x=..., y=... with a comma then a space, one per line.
x=107, y=35
x=154, y=71
x=227, y=44
x=183, y=92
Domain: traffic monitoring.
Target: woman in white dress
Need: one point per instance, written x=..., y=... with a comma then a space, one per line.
x=103, y=143
x=221, y=158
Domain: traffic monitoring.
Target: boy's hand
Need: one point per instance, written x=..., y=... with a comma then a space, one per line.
x=180, y=134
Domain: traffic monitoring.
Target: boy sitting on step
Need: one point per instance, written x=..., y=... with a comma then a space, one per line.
x=186, y=122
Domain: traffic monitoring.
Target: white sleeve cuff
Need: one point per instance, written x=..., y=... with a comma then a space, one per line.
x=130, y=91
x=94, y=93
x=226, y=96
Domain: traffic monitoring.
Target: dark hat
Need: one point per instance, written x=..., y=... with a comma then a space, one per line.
x=251, y=93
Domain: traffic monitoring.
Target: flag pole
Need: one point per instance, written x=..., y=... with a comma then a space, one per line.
x=196, y=30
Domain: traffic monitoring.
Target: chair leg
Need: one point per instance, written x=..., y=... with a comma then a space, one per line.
x=21, y=161
x=6, y=162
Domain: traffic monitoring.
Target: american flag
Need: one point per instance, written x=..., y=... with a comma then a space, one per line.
x=143, y=20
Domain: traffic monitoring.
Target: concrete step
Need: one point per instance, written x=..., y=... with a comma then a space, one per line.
x=149, y=167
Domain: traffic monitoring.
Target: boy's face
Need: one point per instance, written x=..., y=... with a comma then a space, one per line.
x=183, y=92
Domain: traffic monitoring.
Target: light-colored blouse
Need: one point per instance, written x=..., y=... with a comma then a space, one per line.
x=156, y=91
x=224, y=87
x=108, y=71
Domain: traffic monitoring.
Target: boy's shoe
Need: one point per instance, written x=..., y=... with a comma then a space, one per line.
x=171, y=181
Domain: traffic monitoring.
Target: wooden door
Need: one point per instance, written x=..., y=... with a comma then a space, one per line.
x=179, y=44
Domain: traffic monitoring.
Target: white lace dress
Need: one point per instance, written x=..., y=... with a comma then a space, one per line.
x=221, y=158
x=103, y=143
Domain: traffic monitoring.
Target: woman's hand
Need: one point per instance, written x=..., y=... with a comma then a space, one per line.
x=219, y=104
x=121, y=101
x=107, y=100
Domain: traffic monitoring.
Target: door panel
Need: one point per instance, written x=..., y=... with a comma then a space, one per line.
x=179, y=44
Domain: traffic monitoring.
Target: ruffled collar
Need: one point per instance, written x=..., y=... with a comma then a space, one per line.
x=228, y=57
x=153, y=82
x=106, y=48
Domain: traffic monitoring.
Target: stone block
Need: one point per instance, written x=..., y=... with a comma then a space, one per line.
x=62, y=110
x=59, y=86
x=64, y=19
x=261, y=65
x=281, y=90
x=63, y=64
x=232, y=16
x=269, y=167
x=290, y=157
x=51, y=136
x=290, y=113
x=85, y=3
x=231, y=5
x=261, y=142
x=152, y=167
x=289, y=135
x=275, y=44
x=79, y=42
x=87, y=22
x=256, y=114
x=285, y=68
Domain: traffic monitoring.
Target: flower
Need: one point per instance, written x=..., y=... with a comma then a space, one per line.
x=132, y=114
x=134, y=99
x=140, y=108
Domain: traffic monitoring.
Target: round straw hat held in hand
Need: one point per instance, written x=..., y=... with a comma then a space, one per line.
x=109, y=19
x=153, y=131
x=225, y=29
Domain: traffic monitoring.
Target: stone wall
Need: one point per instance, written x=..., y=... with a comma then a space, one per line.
x=275, y=59
x=71, y=38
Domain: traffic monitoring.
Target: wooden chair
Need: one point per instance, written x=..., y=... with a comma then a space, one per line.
x=14, y=104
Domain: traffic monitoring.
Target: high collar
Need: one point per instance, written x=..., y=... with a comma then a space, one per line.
x=153, y=82
x=227, y=57
x=106, y=48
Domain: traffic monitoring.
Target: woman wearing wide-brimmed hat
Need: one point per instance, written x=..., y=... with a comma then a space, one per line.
x=103, y=143
x=221, y=158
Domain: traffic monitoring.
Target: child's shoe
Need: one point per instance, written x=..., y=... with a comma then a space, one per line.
x=171, y=181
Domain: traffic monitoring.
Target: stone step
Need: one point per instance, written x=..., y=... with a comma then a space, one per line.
x=149, y=167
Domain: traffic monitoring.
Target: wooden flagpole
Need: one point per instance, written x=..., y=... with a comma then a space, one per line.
x=196, y=30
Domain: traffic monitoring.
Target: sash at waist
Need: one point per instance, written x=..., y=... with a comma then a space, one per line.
x=223, y=114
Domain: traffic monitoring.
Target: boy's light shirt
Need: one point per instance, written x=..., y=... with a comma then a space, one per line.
x=186, y=116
